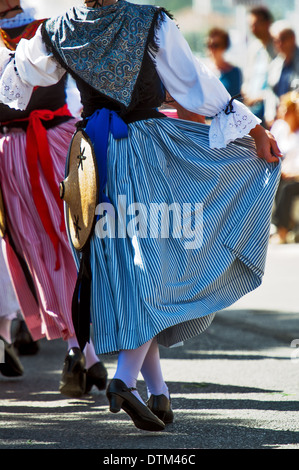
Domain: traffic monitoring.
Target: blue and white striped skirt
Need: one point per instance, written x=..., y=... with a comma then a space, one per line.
x=162, y=272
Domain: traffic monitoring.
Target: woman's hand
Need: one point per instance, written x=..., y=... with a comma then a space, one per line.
x=266, y=145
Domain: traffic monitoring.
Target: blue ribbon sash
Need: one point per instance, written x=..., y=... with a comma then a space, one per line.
x=99, y=126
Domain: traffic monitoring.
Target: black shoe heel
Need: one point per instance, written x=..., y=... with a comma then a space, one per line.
x=115, y=402
x=74, y=385
x=73, y=380
x=23, y=342
x=160, y=405
x=11, y=367
x=120, y=396
x=96, y=375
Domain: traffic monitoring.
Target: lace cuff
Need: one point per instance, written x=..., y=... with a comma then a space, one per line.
x=234, y=122
x=13, y=92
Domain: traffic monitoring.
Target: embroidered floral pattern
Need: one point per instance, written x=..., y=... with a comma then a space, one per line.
x=13, y=92
x=107, y=46
x=227, y=127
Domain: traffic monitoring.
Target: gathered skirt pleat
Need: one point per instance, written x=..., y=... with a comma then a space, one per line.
x=47, y=306
x=147, y=282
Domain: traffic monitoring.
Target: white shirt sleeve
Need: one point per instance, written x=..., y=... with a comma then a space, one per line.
x=197, y=89
x=31, y=65
x=187, y=80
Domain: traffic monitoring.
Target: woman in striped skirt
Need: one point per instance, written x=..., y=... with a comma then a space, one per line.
x=33, y=149
x=184, y=208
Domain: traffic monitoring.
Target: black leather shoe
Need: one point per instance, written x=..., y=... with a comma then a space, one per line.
x=23, y=341
x=120, y=396
x=73, y=379
x=96, y=375
x=12, y=366
x=160, y=405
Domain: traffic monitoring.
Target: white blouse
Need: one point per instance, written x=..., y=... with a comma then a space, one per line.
x=186, y=79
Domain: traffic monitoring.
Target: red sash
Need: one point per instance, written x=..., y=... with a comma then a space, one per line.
x=38, y=152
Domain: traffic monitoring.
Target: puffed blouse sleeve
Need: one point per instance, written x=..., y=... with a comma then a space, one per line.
x=197, y=89
x=29, y=66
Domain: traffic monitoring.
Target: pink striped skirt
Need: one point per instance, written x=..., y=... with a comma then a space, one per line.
x=9, y=305
x=47, y=306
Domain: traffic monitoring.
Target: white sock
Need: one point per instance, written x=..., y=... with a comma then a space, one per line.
x=72, y=343
x=5, y=329
x=90, y=355
x=129, y=365
x=152, y=372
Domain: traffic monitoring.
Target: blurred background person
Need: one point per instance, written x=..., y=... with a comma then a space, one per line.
x=261, y=52
x=284, y=69
x=286, y=132
x=218, y=42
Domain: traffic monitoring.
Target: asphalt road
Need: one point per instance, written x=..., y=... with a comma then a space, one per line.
x=234, y=387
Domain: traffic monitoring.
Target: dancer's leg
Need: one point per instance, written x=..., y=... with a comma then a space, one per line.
x=129, y=365
x=152, y=372
x=5, y=329
x=72, y=342
x=120, y=396
x=90, y=355
x=89, y=352
x=81, y=370
x=11, y=367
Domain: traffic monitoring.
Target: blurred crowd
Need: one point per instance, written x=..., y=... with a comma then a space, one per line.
x=269, y=86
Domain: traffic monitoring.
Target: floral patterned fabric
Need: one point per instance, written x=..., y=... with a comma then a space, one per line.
x=82, y=37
